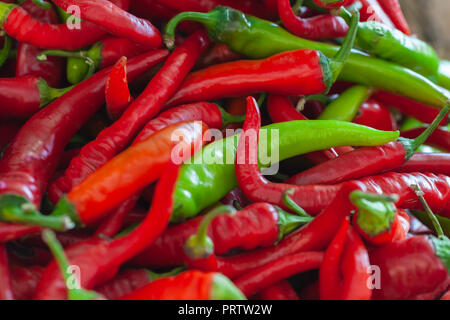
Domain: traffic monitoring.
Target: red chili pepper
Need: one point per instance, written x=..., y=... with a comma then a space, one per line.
x=258, y=225
x=291, y=73
x=27, y=64
x=371, y=11
x=438, y=163
x=318, y=27
x=30, y=161
x=440, y=138
x=314, y=236
x=395, y=13
x=7, y=133
x=25, y=280
x=20, y=25
x=6, y=292
x=209, y=113
x=280, y=291
x=22, y=97
x=117, y=93
x=116, y=137
x=102, y=261
x=277, y=270
x=366, y=161
x=408, y=268
x=409, y=107
x=375, y=115
x=190, y=285
x=377, y=219
x=10, y=232
x=116, y=21
x=281, y=110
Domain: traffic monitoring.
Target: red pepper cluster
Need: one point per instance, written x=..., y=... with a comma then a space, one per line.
x=373, y=221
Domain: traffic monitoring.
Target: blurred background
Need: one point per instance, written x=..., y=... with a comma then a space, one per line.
x=430, y=20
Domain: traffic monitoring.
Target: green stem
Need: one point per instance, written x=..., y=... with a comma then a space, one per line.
x=411, y=145
x=57, y=250
x=200, y=245
x=430, y=213
x=17, y=209
x=61, y=53
x=229, y=118
x=4, y=54
x=42, y=4
x=297, y=8
x=337, y=63
x=288, y=222
x=292, y=205
x=48, y=94
x=155, y=276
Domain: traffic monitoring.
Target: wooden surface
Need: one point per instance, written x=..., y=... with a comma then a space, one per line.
x=430, y=20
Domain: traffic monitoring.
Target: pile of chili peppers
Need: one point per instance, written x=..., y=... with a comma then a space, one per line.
x=221, y=150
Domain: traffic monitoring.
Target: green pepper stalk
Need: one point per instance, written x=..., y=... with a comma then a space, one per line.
x=393, y=45
x=346, y=106
x=442, y=242
x=257, y=38
x=55, y=247
x=4, y=54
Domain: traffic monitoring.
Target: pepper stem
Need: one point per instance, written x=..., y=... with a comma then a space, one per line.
x=411, y=145
x=61, y=53
x=155, y=276
x=229, y=118
x=200, y=245
x=48, y=94
x=17, y=209
x=376, y=213
x=208, y=19
x=292, y=205
x=4, y=54
x=430, y=213
x=288, y=222
x=297, y=8
x=337, y=63
x=57, y=250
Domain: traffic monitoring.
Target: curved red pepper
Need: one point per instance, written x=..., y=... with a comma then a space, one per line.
x=375, y=115
x=394, y=11
x=277, y=270
x=30, y=161
x=10, y=232
x=114, y=48
x=219, y=53
x=116, y=137
x=319, y=27
x=438, y=163
x=116, y=21
x=27, y=64
x=20, y=25
x=296, y=72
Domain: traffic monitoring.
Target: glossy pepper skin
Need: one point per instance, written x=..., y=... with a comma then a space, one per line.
x=258, y=225
x=190, y=285
x=343, y=275
x=258, y=39
x=318, y=27
x=313, y=237
x=117, y=93
x=117, y=136
x=408, y=268
x=106, y=188
x=115, y=253
x=28, y=164
x=20, y=25
x=438, y=163
x=116, y=21
x=409, y=107
x=22, y=97
x=300, y=72
x=280, y=269
x=27, y=64
x=375, y=115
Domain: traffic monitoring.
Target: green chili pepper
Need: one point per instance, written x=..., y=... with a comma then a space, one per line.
x=209, y=175
x=393, y=45
x=443, y=78
x=347, y=105
x=257, y=38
